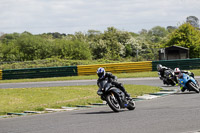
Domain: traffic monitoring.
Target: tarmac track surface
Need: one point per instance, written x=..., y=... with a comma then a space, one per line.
x=177, y=113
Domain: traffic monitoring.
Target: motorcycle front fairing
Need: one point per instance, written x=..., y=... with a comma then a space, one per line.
x=184, y=79
x=117, y=92
x=107, y=87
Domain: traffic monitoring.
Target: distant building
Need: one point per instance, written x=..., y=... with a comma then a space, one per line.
x=173, y=52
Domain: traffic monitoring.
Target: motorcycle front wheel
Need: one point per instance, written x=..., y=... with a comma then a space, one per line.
x=113, y=102
x=192, y=86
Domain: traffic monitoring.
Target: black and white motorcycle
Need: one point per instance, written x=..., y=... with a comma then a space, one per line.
x=169, y=78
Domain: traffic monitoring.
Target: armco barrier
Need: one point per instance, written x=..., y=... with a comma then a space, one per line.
x=40, y=72
x=116, y=67
x=184, y=64
x=0, y=74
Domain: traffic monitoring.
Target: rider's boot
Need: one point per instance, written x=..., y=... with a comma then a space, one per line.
x=121, y=87
x=183, y=89
x=127, y=95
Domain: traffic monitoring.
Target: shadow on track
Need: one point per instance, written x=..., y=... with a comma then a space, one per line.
x=101, y=112
x=96, y=113
x=184, y=93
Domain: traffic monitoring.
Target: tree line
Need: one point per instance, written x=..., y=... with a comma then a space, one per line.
x=112, y=44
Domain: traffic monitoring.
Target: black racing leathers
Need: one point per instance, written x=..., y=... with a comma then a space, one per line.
x=113, y=80
x=162, y=72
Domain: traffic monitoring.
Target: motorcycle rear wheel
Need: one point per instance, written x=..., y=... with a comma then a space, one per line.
x=113, y=102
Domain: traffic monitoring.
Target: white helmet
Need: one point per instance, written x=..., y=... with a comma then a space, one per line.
x=177, y=71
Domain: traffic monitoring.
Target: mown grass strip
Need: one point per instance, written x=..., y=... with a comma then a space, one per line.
x=37, y=99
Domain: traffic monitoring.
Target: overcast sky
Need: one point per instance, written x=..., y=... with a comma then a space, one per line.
x=70, y=16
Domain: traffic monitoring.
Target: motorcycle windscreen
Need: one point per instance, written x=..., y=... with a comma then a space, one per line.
x=107, y=86
x=102, y=83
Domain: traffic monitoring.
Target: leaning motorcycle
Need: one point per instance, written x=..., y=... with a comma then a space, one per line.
x=169, y=77
x=114, y=97
x=188, y=83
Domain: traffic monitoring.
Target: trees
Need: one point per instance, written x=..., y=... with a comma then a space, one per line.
x=171, y=29
x=194, y=21
x=33, y=47
x=114, y=43
x=8, y=52
x=111, y=44
x=8, y=49
x=25, y=46
x=158, y=31
x=79, y=50
x=186, y=36
x=99, y=49
x=151, y=41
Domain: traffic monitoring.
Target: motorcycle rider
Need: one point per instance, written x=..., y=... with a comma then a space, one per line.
x=161, y=69
x=178, y=73
x=102, y=74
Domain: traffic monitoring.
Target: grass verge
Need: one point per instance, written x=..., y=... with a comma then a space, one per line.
x=37, y=99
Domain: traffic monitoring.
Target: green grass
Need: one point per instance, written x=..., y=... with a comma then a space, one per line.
x=37, y=99
x=196, y=72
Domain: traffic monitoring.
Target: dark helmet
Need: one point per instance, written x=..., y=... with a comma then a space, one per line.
x=159, y=66
x=101, y=72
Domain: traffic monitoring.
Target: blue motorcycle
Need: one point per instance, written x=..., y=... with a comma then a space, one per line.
x=189, y=83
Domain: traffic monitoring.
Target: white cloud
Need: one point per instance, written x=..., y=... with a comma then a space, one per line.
x=67, y=16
